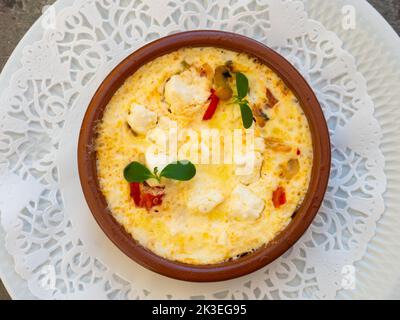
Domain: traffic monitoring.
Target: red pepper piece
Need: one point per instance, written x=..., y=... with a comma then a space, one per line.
x=145, y=196
x=135, y=193
x=149, y=201
x=279, y=197
x=298, y=152
x=214, y=100
x=151, y=196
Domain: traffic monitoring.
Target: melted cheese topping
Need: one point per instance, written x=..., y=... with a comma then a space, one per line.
x=218, y=215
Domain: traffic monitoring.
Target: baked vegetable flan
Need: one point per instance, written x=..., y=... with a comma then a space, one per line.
x=203, y=155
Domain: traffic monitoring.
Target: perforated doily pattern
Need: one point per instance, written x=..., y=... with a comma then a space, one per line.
x=38, y=110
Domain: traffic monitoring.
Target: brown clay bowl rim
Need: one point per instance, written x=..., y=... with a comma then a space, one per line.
x=250, y=262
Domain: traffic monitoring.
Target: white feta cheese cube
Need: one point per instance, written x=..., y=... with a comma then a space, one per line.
x=141, y=119
x=248, y=167
x=186, y=92
x=245, y=204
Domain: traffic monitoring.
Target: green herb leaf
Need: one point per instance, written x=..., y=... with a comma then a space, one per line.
x=136, y=172
x=247, y=115
x=242, y=85
x=181, y=170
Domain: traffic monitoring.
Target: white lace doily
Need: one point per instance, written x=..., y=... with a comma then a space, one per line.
x=49, y=229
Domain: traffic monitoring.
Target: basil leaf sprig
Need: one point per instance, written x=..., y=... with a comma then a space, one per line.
x=242, y=86
x=136, y=172
x=181, y=170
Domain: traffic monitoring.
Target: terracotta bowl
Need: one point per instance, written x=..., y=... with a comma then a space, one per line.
x=248, y=262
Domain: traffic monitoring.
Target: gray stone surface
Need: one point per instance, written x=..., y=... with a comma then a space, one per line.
x=390, y=9
x=16, y=16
